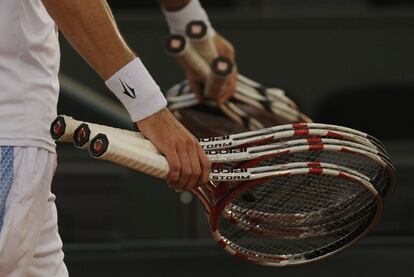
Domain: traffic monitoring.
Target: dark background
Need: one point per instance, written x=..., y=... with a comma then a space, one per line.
x=348, y=62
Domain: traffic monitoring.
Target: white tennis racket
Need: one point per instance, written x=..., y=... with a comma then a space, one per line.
x=296, y=244
x=272, y=215
x=63, y=129
x=368, y=160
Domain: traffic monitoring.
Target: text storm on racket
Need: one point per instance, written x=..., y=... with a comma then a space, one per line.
x=216, y=145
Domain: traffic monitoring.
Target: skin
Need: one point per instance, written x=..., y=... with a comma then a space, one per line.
x=224, y=48
x=91, y=29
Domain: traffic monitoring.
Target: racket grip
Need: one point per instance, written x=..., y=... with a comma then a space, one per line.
x=221, y=69
x=63, y=127
x=197, y=32
x=187, y=57
x=107, y=147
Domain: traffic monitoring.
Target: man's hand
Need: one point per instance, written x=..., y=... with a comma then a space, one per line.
x=226, y=49
x=189, y=166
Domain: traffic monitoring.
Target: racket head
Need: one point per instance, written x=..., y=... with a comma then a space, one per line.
x=251, y=245
x=199, y=117
x=289, y=131
x=379, y=170
x=206, y=121
x=265, y=115
x=202, y=119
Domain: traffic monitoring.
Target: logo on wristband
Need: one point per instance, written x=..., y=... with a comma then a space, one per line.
x=128, y=90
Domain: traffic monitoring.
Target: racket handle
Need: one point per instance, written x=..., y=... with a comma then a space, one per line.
x=186, y=56
x=107, y=147
x=86, y=131
x=63, y=127
x=221, y=69
x=197, y=32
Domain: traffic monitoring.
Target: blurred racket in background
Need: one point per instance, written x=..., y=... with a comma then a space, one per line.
x=252, y=106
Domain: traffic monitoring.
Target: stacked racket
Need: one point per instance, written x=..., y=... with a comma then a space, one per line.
x=253, y=106
x=283, y=195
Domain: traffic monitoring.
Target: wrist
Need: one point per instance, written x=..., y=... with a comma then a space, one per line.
x=137, y=90
x=178, y=20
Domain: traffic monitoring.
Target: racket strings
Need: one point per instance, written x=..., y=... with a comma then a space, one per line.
x=266, y=243
x=261, y=244
x=360, y=163
x=292, y=220
x=317, y=223
x=305, y=195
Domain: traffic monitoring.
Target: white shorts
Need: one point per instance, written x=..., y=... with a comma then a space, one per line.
x=30, y=245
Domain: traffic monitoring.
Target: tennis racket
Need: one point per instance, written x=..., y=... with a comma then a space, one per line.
x=264, y=247
x=276, y=133
x=368, y=160
x=331, y=228
x=247, y=90
x=63, y=129
x=317, y=230
x=196, y=31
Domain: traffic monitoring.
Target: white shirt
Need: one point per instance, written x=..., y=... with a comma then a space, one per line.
x=29, y=65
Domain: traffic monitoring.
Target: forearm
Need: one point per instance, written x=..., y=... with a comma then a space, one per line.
x=90, y=28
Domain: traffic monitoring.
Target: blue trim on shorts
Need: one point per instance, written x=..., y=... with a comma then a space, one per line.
x=6, y=177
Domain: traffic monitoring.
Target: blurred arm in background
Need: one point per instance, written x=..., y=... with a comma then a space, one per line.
x=91, y=29
x=224, y=48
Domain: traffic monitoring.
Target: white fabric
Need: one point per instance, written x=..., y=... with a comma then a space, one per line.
x=29, y=64
x=178, y=20
x=30, y=245
x=137, y=90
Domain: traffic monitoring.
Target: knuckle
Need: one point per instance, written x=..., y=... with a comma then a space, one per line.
x=206, y=164
x=181, y=140
x=175, y=166
x=173, y=178
x=190, y=142
x=186, y=172
x=197, y=172
x=175, y=141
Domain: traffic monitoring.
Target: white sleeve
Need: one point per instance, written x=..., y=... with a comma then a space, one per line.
x=178, y=20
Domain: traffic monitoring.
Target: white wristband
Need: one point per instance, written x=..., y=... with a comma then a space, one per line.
x=137, y=90
x=178, y=20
